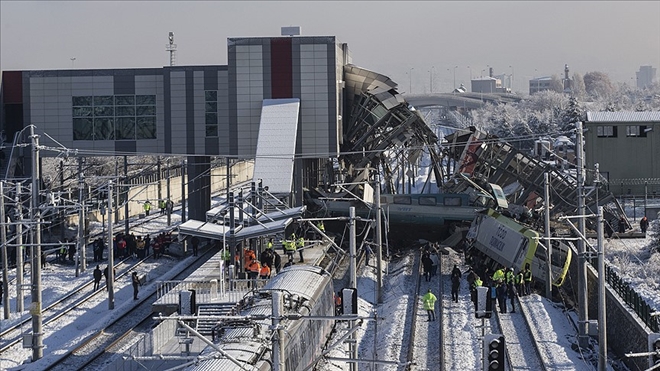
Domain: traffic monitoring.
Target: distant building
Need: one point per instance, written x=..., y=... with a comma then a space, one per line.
x=626, y=145
x=645, y=76
x=567, y=82
x=539, y=84
x=488, y=85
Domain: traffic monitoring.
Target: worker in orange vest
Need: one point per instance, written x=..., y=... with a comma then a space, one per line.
x=264, y=273
x=248, y=257
x=254, y=269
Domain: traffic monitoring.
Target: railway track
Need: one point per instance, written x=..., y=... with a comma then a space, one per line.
x=63, y=305
x=99, y=347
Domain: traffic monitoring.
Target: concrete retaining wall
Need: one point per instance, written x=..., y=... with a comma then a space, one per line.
x=625, y=332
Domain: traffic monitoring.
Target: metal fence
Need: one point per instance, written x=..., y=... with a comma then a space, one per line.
x=167, y=292
x=143, y=346
x=631, y=298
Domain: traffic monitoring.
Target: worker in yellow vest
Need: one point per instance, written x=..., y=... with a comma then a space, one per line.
x=147, y=207
x=300, y=244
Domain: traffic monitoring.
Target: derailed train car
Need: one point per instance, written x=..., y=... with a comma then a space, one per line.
x=507, y=243
x=306, y=291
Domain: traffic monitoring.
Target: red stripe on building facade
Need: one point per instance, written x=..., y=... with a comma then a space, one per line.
x=12, y=87
x=281, y=68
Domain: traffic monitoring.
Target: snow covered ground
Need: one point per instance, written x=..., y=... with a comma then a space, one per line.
x=58, y=280
x=386, y=339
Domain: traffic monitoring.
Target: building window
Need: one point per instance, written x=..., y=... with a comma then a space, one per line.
x=636, y=131
x=211, y=112
x=110, y=117
x=606, y=131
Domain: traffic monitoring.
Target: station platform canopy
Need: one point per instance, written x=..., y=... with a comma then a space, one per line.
x=218, y=232
x=215, y=214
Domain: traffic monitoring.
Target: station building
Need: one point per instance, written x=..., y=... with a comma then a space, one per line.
x=197, y=111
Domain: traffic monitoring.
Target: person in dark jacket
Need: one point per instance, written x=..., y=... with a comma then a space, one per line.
x=195, y=245
x=501, y=296
x=511, y=292
x=277, y=260
x=136, y=282
x=644, y=224
x=455, y=282
x=97, y=277
x=427, y=263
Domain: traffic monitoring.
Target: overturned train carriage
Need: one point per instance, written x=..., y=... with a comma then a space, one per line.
x=506, y=243
x=306, y=291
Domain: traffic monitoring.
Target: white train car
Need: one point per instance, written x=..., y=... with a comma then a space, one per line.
x=307, y=291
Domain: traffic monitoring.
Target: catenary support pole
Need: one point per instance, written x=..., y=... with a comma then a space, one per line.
x=379, y=243
x=61, y=211
x=278, y=349
x=19, y=249
x=548, y=243
x=602, y=300
x=159, y=178
x=5, y=260
x=81, y=213
x=583, y=313
x=127, y=189
x=169, y=197
x=352, y=345
x=111, y=254
x=35, y=309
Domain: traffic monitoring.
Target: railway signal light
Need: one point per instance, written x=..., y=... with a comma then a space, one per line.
x=654, y=346
x=494, y=352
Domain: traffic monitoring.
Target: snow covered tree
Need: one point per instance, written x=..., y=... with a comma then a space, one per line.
x=556, y=84
x=578, y=87
x=598, y=84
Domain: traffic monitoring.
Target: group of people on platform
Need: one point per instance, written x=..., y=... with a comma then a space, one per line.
x=127, y=245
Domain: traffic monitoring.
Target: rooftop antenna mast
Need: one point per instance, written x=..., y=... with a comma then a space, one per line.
x=171, y=47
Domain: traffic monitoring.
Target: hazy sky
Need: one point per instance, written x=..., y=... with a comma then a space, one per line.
x=526, y=38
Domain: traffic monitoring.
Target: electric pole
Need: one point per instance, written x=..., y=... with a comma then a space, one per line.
x=583, y=314
x=5, y=263
x=111, y=260
x=548, y=243
x=379, y=243
x=35, y=308
x=19, y=249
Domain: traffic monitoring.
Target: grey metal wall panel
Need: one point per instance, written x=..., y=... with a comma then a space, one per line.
x=178, y=111
x=223, y=113
x=167, y=113
x=212, y=146
x=231, y=80
x=124, y=84
x=190, y=113
x=210, y=78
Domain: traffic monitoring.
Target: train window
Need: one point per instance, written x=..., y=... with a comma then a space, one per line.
x=453, y=201
x=427, y=200
x=404, y=200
